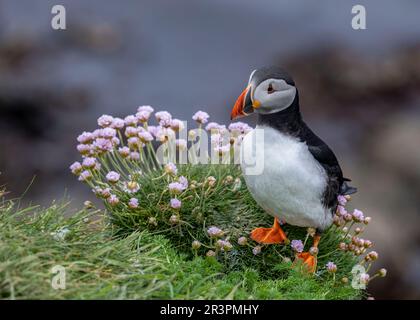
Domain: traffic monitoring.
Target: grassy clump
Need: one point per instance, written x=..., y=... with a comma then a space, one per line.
x=100, y=265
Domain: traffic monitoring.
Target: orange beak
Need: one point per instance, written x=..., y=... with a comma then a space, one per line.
x=240, y=105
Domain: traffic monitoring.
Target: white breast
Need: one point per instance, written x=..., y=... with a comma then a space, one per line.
x=291, y=183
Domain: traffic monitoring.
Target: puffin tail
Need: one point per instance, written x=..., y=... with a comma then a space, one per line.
x=346, y=189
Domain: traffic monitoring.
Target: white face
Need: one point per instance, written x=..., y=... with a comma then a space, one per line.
x=273, y=95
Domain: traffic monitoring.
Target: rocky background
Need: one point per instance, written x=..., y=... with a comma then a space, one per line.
x=360, y=91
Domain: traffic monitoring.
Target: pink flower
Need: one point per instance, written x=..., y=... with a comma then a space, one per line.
x=342, y=200
x=109, y=133
x=145, y=136
x=176, y=187
x=124, y=152
x=256, y=250
x=131, y=120
x=145, y=108
x=113, y=200
x=133, y=142
x=134, y=155
x=89, y=162
x=106, y=193
x=222, y=149
x=117, y=123
x=76, y=168
x=297, y=245
x=214, y=232
x=358, y=215
x=201, y=117
x=153, y=130
x=131, y=132
x=113, y=176
x=103, y=145
x=183, y=181
x=177, y=125
x=164, y=118
x=143, y=116
x=131, y=187
x=214, y=126
x=171, y=169
x=85, y=137
x=175, y=203
x=181, y=144
x=105, y=120
x=133, y=203
x=331, y=267
x=85, y=175
x=242, y=241
x=341, y=211
x=364, y=278
x=84, y=148
x=238, y=128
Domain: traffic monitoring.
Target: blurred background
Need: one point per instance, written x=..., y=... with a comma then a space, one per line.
x=359, y=90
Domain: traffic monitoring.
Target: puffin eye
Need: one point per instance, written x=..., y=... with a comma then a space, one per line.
x=270, y=89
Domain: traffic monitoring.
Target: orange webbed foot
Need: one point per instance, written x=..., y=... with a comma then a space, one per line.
x=269, y=235
x=309, y=259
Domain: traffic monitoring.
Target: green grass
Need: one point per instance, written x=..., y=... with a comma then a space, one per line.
x=102, y=264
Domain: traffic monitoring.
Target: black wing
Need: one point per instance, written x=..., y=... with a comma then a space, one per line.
x=323, y=154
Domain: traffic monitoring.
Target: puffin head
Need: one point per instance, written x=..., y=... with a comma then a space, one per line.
x=269, y=90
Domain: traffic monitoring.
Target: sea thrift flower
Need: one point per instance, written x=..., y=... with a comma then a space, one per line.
x=145, y=136
x=174, y=219
x=85, y=137
x=224, y=245
x=176, y=187
x=175, y=203
x=106, y=193
x=131, y=187
x=313, y=251
x=214, y=232
x=373, y=255
x=102, y=144
x=134, y=155
x=105, y=120
x=297, y=245
x=331, y=267
x=177, y=125
x=145, y=108
x=211, y=181
x=342, y=246
x=242, y=241
x=85, y=175
x=84, y=149
x=131, y=120
x=117, y=123
x=183, y=181
x=341, y=211
x=238, y=128
x=382, y=272
x=367, y=220
x=201, y=117
x=364, y=278
x=124, y=152
x=256, y=250
x=171, y=169
x=131, y=132
x=113, y=200
x=109, y=133
x=164, y=118
x=133, y=203
x=181, y=144
x=89, y=162
x=214, y=126
x=358, y=215
x=196, y=244
x=342, y=200
x=210, y=253
x=113, y=176
x=153, y=130
x=133, y=142
x=76, y=168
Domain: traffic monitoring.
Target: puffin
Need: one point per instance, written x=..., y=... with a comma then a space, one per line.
x=301, y=178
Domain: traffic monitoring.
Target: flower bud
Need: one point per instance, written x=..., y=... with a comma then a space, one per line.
x=313, y=251
x=382, y=272
x=88, y=204
x=242, y=241
x=311, y=231
x=345, y=280
x=373, y=255
x=152, y=221
x=342, y=246
x=367, y=220
x=196, y=244
x=174, y=219
x=210, y=253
